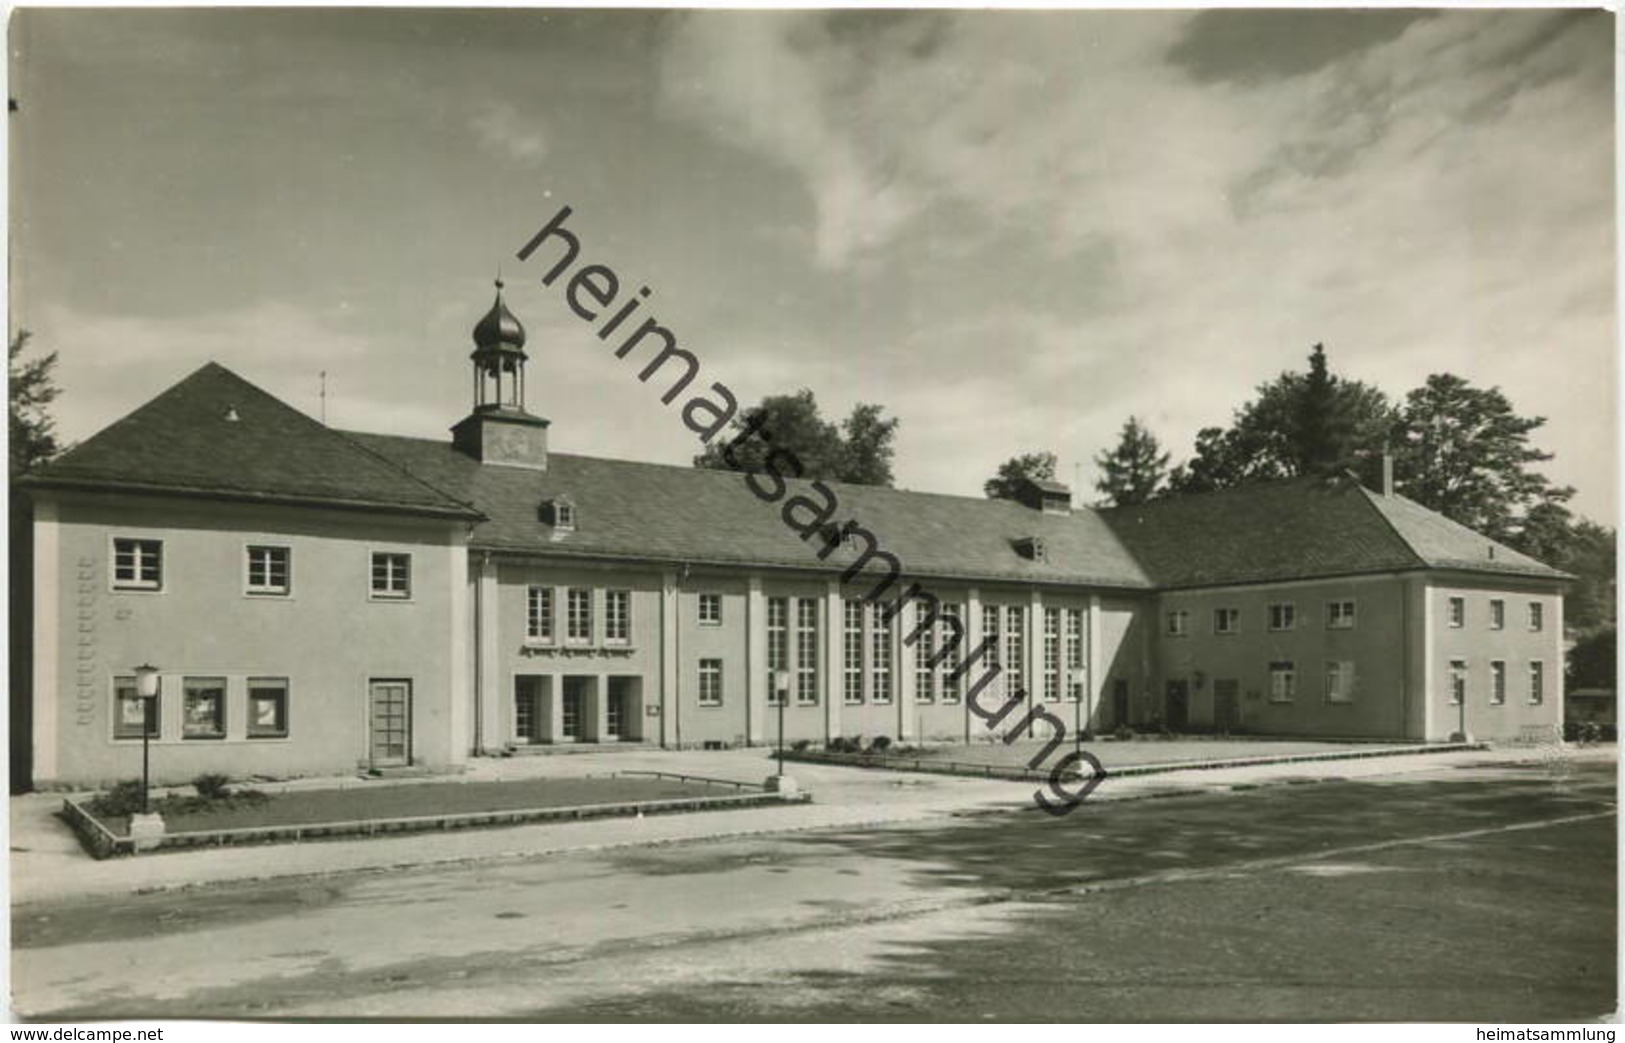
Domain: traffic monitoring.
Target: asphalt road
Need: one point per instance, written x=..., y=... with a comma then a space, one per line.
x=1482, y=895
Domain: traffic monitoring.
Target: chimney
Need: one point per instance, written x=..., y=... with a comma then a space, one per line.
x=1387, y=473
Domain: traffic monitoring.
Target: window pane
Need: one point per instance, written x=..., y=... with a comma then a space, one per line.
x=129, y=710
x=267, y=707
x=204, y=708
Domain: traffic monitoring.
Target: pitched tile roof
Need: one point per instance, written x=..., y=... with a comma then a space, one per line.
x=1300, y=529
x=183, y=441
x=666, y=513
x=1444, y=544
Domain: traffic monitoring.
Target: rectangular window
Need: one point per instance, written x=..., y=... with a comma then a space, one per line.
x=267, y=707
x=578, y=616
x=778, y=645
x=710, y=682
x=1498, y=614
x=925, y=675
x=269, y=570
x=806, y=651
x=996, y=687
x=138, y=564
x=1340, y=682
x=1458, y=681
x=1015, y=650
x=1074, y=653
x=392, y=575
x=1179, y=623
x=952, y=638
x=880, y=653
x=617, y=617
x=1283, y=681
x=1283, y=615
x=710, y=610
x=1537, y=616
x=203, y=709
x=1052, y=655
x=129, y=711
x=1498, y=682
x=852, y=651
x=1537, y=682
x=539, y=614
x=1458, y=612
x=1340, y=615
x=1226, y=620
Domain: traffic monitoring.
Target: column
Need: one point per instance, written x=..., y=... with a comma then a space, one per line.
x=47, y=559
x=1094, y=669
x=670, y=665
x=491, y=733
x=834, y=659
x=973, y=641
x=459, y=668
x=903, y=671
x=755, y=660
x=1033, y=652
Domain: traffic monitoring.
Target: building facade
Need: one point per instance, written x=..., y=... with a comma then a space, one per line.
x=322, y=601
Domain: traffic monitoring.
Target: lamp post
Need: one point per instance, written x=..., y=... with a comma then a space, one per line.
x=146, y=688
x=781, y=685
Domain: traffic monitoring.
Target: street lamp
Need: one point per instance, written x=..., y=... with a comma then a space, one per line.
x=1073, y=676
x=781, y=685
x=146, y=688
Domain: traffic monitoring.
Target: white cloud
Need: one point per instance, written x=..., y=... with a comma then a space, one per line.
x=501, y=130
x=1440, y=201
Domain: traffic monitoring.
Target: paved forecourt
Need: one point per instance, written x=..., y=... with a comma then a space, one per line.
x=48, y=864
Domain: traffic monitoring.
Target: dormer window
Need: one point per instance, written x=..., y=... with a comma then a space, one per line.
x=1032, y=548
x=560, y=513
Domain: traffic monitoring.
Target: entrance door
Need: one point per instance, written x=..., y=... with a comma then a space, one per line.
x=390, y=724
x=613, y=705
x=1178, y=705
x=1119, y=703
x=570, y=713
x=1226, y=705
x=527, y=710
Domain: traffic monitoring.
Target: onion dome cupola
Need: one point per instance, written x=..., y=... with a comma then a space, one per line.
x=499, y=430
x=499, y=358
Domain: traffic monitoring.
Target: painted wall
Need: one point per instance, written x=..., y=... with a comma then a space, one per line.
x=327, y=636
x=1478, y=644
x=1375, y=644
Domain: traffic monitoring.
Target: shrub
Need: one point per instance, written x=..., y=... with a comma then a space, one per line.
x=211, y=785
x=124, y=798
x=1124, y=733
x=800, y=745
x=879, y=744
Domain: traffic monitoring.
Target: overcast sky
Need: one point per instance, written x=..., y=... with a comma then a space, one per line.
x=1012, y=229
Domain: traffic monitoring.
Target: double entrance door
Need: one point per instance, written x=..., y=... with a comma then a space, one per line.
x=576, y=708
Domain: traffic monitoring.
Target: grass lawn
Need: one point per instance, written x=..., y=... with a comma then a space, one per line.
x=384, y=801
x=1127, y=754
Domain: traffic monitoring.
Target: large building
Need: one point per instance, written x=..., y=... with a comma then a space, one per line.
x=320, y=600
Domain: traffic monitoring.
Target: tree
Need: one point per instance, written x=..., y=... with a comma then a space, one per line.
x=859, y=450
x=1464, y=452
x=1299, y=424
x=32, y=389
x=1135, y=471
x=867, y=446
x=1007, y=481
x=1593, y=661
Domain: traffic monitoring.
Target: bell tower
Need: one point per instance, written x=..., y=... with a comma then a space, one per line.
x=499, y=430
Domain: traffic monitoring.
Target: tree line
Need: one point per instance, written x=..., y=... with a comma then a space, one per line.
x=1455, y=448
